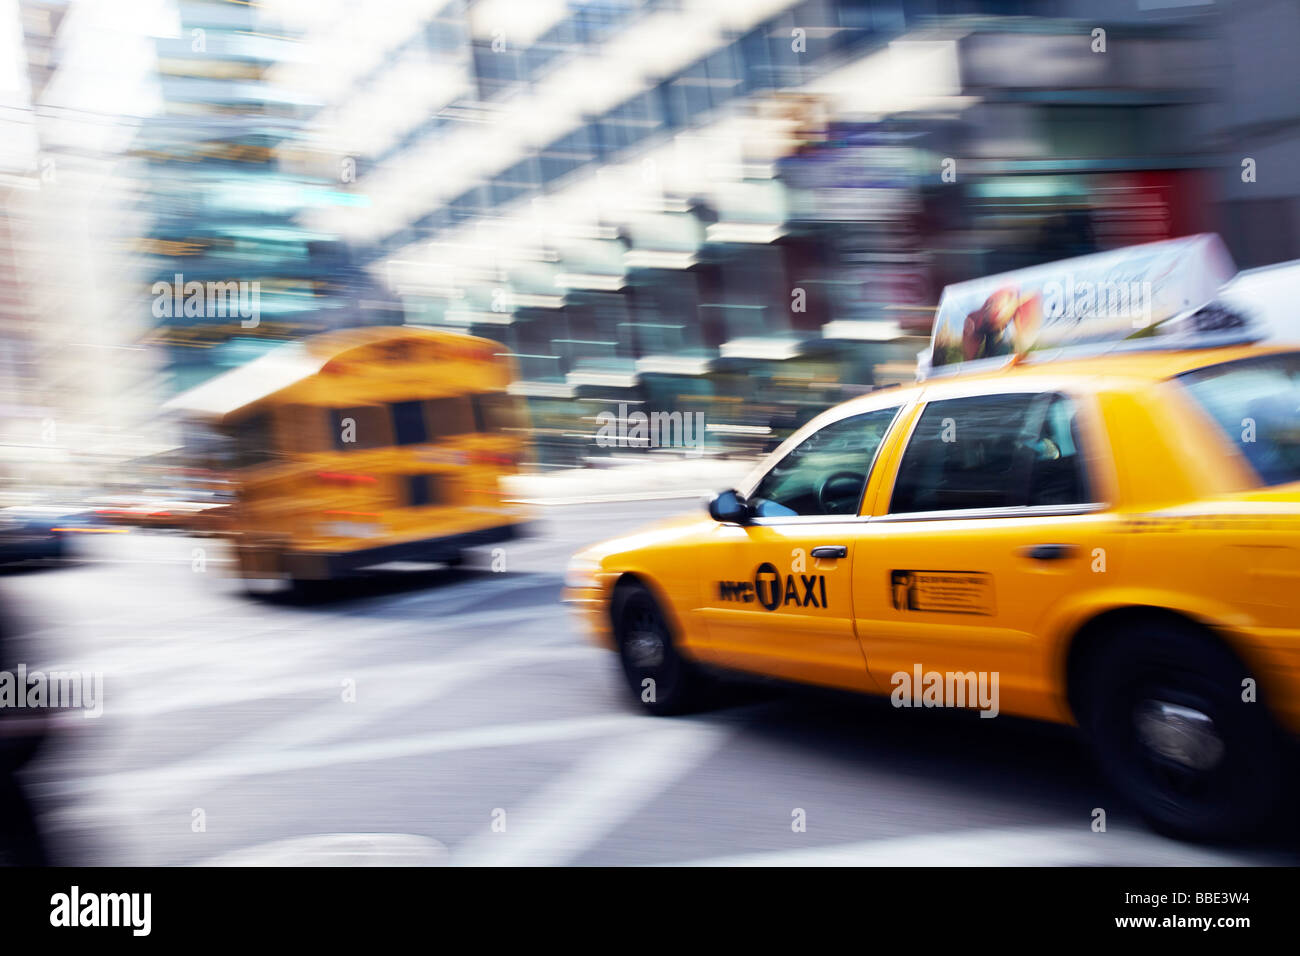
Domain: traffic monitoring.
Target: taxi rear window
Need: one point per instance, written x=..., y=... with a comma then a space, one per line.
x=1019, y=450
x=1256, y=403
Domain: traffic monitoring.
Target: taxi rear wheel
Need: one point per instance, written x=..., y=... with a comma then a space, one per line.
x=1163, y=708
x=661, y=678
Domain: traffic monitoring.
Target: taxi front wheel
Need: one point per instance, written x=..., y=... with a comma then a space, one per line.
x=1169, y=722
x=662, y=679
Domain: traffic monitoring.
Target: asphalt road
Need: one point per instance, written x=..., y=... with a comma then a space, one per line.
x=485, y=730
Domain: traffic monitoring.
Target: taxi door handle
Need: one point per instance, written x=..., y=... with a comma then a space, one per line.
x=1049, y=552
x=831, y=551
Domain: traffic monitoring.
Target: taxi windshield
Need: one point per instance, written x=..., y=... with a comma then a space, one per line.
x=1256, y=402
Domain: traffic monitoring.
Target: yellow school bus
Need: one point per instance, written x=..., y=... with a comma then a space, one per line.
x=356, y=449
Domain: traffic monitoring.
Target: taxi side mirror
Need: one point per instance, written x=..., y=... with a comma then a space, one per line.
x=729, y=507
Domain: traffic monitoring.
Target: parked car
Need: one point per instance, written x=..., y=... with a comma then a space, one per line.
x=30, y=533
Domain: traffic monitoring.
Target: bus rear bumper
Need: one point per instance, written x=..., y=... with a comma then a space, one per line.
x=320, y=565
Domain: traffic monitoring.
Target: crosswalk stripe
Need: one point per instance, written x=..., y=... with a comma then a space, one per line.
x=578, y=808
x=130, y=784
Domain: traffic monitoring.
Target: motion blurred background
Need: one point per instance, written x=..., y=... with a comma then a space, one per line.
x=743, y=211
x=746, y=209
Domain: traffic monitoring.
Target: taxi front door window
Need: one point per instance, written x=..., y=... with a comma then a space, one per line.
x=826, y=473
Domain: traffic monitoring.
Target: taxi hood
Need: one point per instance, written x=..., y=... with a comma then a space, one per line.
x=656, y=534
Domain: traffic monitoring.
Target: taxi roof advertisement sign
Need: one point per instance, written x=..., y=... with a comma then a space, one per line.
x=1104, y=297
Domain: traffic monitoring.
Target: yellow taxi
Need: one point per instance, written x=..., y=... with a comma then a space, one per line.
x=1110, y=541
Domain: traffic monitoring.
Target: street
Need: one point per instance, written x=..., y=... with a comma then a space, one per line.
x=458, y=717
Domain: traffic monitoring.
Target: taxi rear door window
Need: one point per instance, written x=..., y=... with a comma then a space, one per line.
x=992, y=451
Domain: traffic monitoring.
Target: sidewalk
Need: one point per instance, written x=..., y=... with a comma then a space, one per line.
x=631, y=481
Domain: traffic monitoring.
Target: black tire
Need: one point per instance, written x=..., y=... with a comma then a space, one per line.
x=1162, y=708
x=21, y=843
x=311, y=590
x=647, y=654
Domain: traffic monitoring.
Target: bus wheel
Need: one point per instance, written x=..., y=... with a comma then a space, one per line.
x=1162, y=706
x=663, y=680
x=308, y=590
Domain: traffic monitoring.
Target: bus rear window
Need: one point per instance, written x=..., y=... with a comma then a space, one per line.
x=423, y=490
x=408, y=423
x=359, y=427
x=1256, y=402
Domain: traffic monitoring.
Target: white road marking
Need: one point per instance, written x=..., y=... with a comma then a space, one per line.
x=575, y=810
x=326, y=682
x=338, y=849
x=129, y=785
x=1006, y=846
x=203, y=659
x=405, y=686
